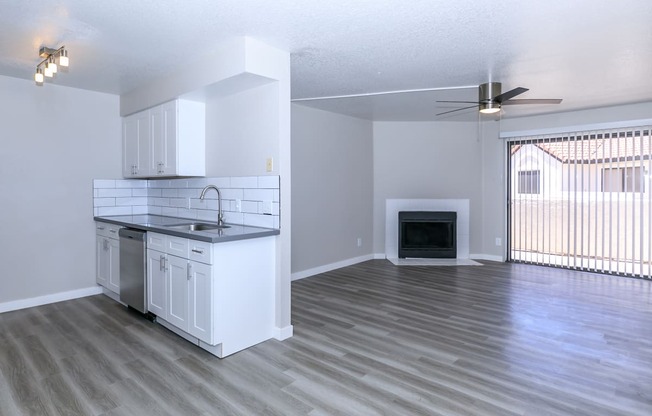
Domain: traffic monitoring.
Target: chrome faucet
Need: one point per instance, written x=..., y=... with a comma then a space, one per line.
x=220, y=216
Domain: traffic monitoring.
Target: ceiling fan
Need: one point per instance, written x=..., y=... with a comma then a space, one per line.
x=490, y=99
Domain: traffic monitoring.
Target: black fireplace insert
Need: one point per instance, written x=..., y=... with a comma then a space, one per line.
x=427, y=234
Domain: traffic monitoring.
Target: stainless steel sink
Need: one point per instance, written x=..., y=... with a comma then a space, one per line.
x=197, y=226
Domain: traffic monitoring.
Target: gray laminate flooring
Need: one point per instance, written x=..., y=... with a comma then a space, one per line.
x=370, y=339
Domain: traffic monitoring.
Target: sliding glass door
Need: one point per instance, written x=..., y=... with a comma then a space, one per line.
x=582, y=200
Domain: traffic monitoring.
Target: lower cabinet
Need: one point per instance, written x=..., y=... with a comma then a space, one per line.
x=156, y=283
x=107, y=256
x=180, y=292
x=220, y=296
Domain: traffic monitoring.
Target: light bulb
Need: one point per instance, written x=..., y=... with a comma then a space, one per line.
x=38, y=76
x=48, y=71
x=52, y=65
x=63, y=58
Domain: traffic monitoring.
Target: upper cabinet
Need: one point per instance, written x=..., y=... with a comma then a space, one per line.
x=166, y=140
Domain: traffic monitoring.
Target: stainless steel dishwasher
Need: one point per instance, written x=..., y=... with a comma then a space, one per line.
x=133, y=276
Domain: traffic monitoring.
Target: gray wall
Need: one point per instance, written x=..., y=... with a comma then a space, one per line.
x=332, y=188
x=55, y=141
x=427, y=160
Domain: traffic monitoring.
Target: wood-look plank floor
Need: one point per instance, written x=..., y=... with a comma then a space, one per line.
x=370, y=339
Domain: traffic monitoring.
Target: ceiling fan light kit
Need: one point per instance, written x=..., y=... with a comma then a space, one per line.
x=491, y=99
x=48, y=67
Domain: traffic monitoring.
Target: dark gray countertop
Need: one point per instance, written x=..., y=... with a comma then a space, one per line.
x=157, y=223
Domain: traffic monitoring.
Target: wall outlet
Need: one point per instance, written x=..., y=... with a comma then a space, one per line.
x=238, y=205
x=269, y=164
x=267, y=207
x=499, y=241
x=359, y=242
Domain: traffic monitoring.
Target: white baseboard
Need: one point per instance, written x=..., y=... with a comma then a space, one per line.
x=486, y=257
x=328, y=267
x=283, y=333
x=15, y=305
x=379, y=256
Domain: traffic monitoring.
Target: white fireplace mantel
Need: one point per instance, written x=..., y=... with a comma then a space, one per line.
x=393, y=206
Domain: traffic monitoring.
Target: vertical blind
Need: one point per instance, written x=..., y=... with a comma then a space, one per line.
x=582, y=200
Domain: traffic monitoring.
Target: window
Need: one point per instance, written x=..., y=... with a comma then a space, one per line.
x=629, y=179
x=528, y=182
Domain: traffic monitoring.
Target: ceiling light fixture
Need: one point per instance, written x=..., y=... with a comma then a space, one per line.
x=48, y=66
x=489, y=108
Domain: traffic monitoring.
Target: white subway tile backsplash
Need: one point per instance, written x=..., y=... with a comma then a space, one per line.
x=139, y=210
x=258, y=220
x=187, y=213
x=170, y=212
x=104, y=202
x=180, y=198
x=139, y=192
x=250, y=207
x=131, y=201
x=161, y=202
x=170, y=193
x=107, y=211
x=103, y=183
x=179, y=202
x=244, y=182
x=203, y=204
x=258, y=195
x=234, y=218
x=107, y=193
x=153, y=210
x=188, y=193
x=232, y=193
x=131, y=183
x=268, y=182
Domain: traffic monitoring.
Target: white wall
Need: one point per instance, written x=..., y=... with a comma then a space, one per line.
x=55, y=140
x=332, y=188
x=427, y=160
x=242, y=131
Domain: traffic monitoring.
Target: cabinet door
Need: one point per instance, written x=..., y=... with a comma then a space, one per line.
x=200, y=318
x=156, y=283
x=163, y=121
x=136, y=145
x=102, y=261
x=178, y=278
x=113, y=283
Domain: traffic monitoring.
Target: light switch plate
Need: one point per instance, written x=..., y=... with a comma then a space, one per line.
x=267, y=207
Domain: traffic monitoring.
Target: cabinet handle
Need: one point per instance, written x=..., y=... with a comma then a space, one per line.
x=105, y=244
x=195, y=250
x=189, y=270
x=113, y=231
x=100, y=228
x=162, y=262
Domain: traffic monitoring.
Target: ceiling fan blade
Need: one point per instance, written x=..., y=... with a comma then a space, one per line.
x=501, y=98
x=464, y=102
x=457, y=109
x=533, y=101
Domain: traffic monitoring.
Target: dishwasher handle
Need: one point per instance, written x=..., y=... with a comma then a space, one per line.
x=131, y=234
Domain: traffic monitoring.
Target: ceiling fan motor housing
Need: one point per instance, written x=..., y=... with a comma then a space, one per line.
x=488, y=91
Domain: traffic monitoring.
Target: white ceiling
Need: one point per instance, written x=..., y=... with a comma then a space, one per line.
x=591, y=53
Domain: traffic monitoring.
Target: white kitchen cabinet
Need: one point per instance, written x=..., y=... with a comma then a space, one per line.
x=136, y=146
x=179, y=289
x=157, y=283
x=220, y=295
x=107, y=256
x=200, y=304
x=178, y=282
x=173, y=137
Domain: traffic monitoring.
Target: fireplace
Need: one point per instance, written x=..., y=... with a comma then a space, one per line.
x=427, y=234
